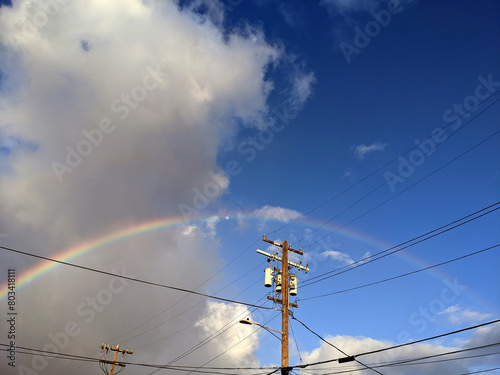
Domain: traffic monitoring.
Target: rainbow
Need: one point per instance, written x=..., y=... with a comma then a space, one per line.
x=74, y=252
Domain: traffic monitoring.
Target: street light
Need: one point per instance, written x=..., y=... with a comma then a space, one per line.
x=248, y=321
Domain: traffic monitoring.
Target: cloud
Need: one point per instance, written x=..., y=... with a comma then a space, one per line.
x=337, y=256
x=349, y=7
x=211, y=225
x=356, y=345
x=362, y=150
x=224, y=318
x=275, y=213
x=457, y=315
x=301, y=87
x=134, y=99
x=267, y=213
x=348, y=174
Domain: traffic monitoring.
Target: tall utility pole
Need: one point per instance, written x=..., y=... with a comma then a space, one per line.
x=104, y=361
x=284, y=301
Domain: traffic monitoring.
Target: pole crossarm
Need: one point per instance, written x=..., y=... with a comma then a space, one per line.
x=277, y=300
x=289, y=247
x=112, y=363
x=276, y=257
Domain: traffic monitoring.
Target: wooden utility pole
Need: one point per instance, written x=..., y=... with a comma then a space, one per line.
x=104, y=361
x=285, y=304
x=284, y=310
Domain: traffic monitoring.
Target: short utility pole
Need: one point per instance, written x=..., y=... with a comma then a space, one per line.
x=286, y=284
x=104, y=361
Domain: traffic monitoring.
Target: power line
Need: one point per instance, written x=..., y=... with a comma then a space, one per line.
x=396, y=363
x=228, y=349
x=179, y=314
x=400, y=345
x=182, y=329
x=239, y=342
x=181, y=299
x=335, y=347
x=406, y=362
x=403, y=275
x=67, y=356
x=131, y=278
x=430, y=338
x=411, y=362
x=296, y=343
x=478, y=372
x=51, y=354
x=395, y=159
x=412, y=242
x=409, y=187
x=216, y=370
x=214, y=335
x=398, y=173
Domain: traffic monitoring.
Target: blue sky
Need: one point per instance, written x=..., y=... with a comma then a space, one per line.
x=242, y=117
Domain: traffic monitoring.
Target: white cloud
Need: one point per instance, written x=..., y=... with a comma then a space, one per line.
x=171, y=81
x=168, y=141
x=211, y=225
x=223, y=317
x=457, y=315
x=266, y=213
x=348, y=174
x=356, y=345
x=188, y=230
x=362, y=150
x=347, y=6
x=303, y=83
x=337, y=256
x=344, y=7
x=275, y=213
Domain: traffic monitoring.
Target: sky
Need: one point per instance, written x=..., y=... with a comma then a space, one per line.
x=161, y=140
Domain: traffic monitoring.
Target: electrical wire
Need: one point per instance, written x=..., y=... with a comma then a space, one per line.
x=400, y=345
x=402, y=275
x=131, y=278
x=410, y=361
x=214, y=335
x=296, y=343
x=405, y=362
x=335, y=347
x=394, y=176
x=66, y=356
x=421, y=238
x=409, y=187
x=198, y=293
x=181, y=313
x=203, y=366
x=392, y=161
x=181, y=299
x=246, y=337
x=418, y=361
x=186, y=327
x=430, y=338
x=478, y=372
x=395, y=363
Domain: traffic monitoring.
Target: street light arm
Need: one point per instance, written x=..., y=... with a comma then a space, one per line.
x=269, y=329
x=248, y=321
